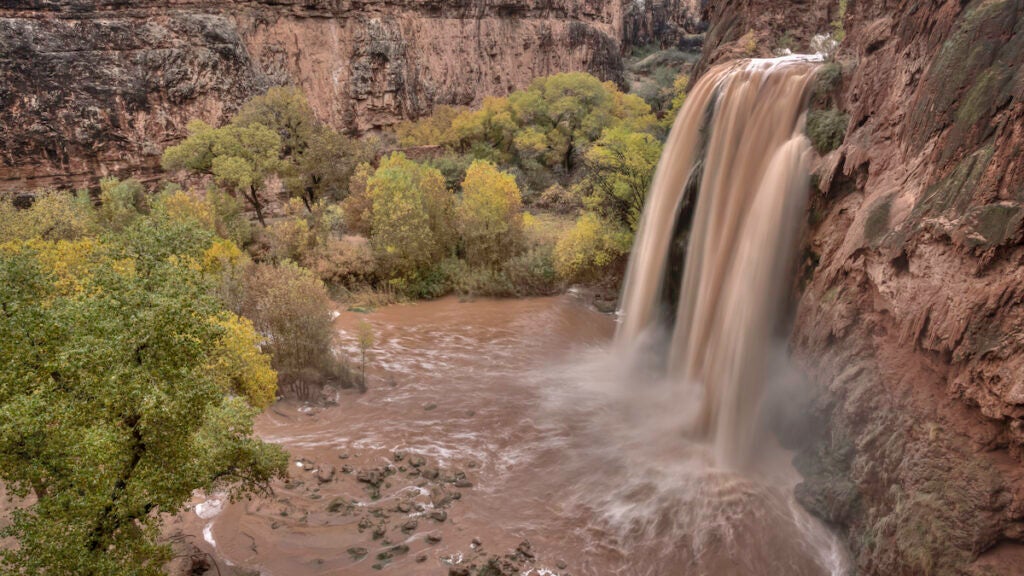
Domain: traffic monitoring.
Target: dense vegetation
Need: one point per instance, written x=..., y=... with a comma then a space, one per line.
x=127, y=380
x=521, y=196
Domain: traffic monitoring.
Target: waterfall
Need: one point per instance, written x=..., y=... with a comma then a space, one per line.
x=724, y=212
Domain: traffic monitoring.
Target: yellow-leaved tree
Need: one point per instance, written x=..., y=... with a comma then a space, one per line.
x=411, y=222
x=239, y=364
x=490, y=215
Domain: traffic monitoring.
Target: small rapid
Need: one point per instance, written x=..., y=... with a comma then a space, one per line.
x=565, y=444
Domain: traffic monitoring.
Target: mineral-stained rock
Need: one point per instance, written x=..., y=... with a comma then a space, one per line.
x=911, y=318
x=101, y=87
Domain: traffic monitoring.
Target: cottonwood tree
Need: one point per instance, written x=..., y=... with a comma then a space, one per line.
x=240, y=158
x=323, y=169
x=317, y=161
x=490, y=214
x=126, y=387
x=411, y=215
x=620, y=168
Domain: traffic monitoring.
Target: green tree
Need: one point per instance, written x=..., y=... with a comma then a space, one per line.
x=112, y=408
x=239, y=157
x=432, y=130
x=291, y=306
x=54, y=215
x=490, y=214
x=120, y=202
x=357, y=208
x=679, y=91
x=620, y=167
x=285, y=110
x=412, y=216
x=323, y=169
x=244, y=157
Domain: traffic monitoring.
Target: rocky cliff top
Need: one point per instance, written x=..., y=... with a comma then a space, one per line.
x=89, y=88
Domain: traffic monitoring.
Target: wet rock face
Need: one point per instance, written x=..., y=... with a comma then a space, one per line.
x=89, y=88
x=911, y=323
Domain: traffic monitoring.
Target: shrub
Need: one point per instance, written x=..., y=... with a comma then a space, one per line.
x=558, y=198
x=412, y=217
x=827, y=79
x=344, y=262
x=357, y=208
x=120, y=202
x=290, y=307
x=532, y=273
x=490, y=216
x=286, y=239
x=827, y=129
x=590, y=249
x=239, y=366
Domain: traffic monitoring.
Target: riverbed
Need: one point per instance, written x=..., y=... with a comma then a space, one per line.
x=509, y=432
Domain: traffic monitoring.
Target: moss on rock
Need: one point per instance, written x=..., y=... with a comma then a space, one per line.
x=827, y=129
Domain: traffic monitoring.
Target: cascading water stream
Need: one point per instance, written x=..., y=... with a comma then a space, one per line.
x=733, y=178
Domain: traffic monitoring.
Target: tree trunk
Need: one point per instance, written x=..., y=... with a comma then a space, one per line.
x=254, y=199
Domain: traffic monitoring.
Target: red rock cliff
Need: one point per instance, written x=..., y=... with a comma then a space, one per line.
x=95, y=87
x=912, y=322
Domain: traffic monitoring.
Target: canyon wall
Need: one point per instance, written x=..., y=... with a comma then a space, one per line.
x=664, y=23
x=911, y=321
x=89, y=88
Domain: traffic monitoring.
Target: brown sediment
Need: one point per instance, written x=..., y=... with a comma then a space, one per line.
x=503, y=433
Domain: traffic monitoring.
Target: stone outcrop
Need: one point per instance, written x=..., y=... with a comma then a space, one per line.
x=664, y=23
x=911, y=321
x=89, y=88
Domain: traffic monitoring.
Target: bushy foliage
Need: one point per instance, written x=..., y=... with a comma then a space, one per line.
x=286, y=111
x=544, y=130
x=291, y=307
x=275, y=134
x=622, y=166
x=680, y=86
x=412, y=220
x=560, y=199
x=286, y=239
x=120, y=202
x=126, y=387
x=490, y=218
x=827, y=129
x=347, y=262
x=431, y=130
x=239, y=365
x=54, y=215
x=357, y=208
x=239, y=157
x=323, y=169
x=590, y=248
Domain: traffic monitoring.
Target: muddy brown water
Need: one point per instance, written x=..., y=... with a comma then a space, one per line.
x=554, y=440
